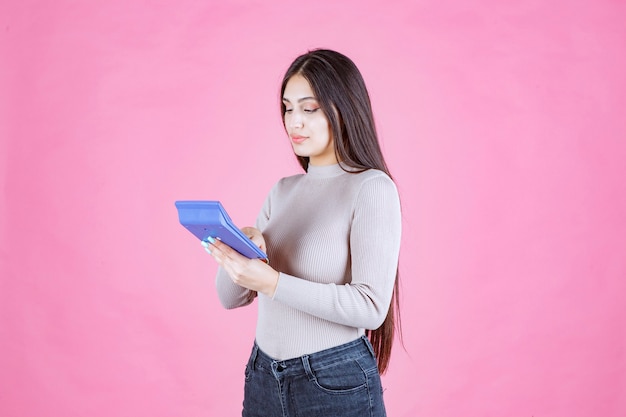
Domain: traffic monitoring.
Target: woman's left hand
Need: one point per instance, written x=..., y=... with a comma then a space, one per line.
x=253, y=274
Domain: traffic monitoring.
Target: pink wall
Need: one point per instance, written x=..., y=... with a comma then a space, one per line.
x=503, y=122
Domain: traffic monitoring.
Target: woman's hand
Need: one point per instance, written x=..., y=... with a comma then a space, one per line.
x=255, y=236
x=253, y=274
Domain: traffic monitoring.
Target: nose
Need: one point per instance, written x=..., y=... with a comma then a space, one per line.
x=296, y=120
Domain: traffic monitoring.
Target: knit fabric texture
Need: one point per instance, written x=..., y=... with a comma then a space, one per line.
x=334, y=236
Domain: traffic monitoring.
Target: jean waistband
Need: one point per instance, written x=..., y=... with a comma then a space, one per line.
x=318, y=360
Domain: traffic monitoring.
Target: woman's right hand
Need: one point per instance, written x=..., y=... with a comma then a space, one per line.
x=253, y=274
x=255, y=236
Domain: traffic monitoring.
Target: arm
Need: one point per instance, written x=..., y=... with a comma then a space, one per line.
x=230, y=294
x=374, y=249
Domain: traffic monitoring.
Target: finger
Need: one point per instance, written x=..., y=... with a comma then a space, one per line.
x=255, y=236
x=248, y=231
x=222, y=252
x=212, y=245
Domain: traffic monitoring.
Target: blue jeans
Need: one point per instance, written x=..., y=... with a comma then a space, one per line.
x=339, y=382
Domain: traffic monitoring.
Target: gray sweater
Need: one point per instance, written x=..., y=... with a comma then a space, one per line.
x=335, y=239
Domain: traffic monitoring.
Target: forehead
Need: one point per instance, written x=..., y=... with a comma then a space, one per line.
x=297, y=88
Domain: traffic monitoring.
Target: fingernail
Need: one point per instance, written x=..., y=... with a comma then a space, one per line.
x=203, y=243
x=207, y=250
x=210, y=239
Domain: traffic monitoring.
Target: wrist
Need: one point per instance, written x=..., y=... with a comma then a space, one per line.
x=273, y=284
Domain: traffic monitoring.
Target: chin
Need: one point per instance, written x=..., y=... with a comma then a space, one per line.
x=300, y=153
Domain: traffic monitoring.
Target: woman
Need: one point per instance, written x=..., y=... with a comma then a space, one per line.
x=333, y=238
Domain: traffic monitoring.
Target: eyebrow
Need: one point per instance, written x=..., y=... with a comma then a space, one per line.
x=300, y=99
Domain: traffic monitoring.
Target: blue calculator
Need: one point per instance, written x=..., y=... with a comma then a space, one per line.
x=206, y=219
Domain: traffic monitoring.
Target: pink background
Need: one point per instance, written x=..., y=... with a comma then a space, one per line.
x=503, y=122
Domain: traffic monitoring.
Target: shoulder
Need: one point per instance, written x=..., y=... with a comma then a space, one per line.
x=374, y=179
x=288, y=182
x=376, y=197
x=377, y=190
x=372, y=174
x=285, y=184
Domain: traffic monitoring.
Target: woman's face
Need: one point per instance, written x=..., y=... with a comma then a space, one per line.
x=306, y=123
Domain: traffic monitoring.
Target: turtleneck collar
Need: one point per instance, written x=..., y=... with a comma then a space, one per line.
x=327, y=171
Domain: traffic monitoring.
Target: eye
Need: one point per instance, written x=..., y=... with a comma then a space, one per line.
x=311, y=110
x=288, y=110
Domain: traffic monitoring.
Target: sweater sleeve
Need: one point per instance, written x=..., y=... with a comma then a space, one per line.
x=230, y=294
x=374, y=250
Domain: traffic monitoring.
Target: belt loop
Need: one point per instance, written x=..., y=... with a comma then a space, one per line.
x=369, y=345
x=307, y=367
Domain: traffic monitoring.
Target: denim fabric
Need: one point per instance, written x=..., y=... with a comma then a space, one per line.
x=342, y=381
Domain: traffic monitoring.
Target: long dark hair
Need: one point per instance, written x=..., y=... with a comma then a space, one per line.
x=341, y=93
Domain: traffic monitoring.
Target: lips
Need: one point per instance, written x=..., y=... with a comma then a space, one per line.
x=298, y=138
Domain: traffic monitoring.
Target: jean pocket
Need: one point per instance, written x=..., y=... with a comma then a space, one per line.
x=344, y=377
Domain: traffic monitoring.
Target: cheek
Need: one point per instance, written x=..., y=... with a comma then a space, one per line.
x=322, y=127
